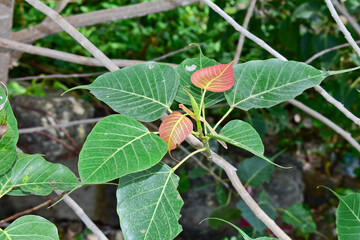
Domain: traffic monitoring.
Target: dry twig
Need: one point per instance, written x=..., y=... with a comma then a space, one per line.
x=242, y=36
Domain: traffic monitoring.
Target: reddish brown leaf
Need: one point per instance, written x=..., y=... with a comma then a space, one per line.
x=174, y=129
x=217, y=78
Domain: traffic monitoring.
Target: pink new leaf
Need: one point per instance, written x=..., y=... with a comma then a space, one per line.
x=174, y=129
x=217, y=78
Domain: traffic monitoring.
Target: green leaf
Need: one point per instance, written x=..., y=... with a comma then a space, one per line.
x=265, y=204
x=300, y=218
x=32, y=174
x=143, y=91
x=30, y=227
x=118, y=145
x=149, y=204
x=348, y=216
x=185, y=70
x=241, y=232
x=263, y=84
x=254, y=171
x=9, y=140
x=243, y=135
x=221, y=194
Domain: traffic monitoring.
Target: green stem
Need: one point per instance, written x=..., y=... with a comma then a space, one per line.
x=202, y=107
x=225, y=115
x=187, y=157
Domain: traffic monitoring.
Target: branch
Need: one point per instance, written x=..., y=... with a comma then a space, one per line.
x=339, y=105
x=32, y=34
x=231, y=173
x=262, y=44
x=74, y=75
x=329, y=123
x=62, y=125
x=74, y=33
x=342, y=27
x=82, y=215
x=64, y=56
x=319, y=54
x=28, y=211
x=351, y=20
x=242, y=36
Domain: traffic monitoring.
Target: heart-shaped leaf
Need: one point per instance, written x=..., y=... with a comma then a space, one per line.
x=262, y=84
x=185, y=70
x=348, y=216
x=218, y=78
x=143, y=91
x=32, y=174
x=149, y=204
x=118, y=145
x=174, y=129
x=30, y=227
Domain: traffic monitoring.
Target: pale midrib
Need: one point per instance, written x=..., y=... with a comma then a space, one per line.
x=119, y=149
x=218, y=75
x=172, y=131
x=275, y=88
x=135, y=94
x=158, y=203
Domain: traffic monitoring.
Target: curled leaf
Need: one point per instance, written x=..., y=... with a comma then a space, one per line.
x=174, y=129
x=217, y=78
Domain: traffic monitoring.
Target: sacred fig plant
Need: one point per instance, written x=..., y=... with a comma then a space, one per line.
x=120, y=147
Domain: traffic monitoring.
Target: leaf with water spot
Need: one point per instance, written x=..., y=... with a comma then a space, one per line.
x=218, y=78
x=32, y=174
x=174, y=129
x=118, y=145
x=185, y=70
x=30, y=227
x=148, y=204
x=143, y=91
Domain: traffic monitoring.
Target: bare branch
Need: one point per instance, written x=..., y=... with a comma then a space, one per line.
x=242, y=36
x=74, y=75
x=32, y=34
x=351, y=20
x=246, y=33
x=262, y=44
x=82, y=215
x=231, y=173
x=61, y=5
x=342, y=27
x=329, y=123
x=64, y=56
x=325, y=51
x=176, y=52
x=62, y=125
x=339, y=105
x=74, y=33
x=33, y=209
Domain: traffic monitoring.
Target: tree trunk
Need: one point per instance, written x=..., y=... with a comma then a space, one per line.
x=6, y=16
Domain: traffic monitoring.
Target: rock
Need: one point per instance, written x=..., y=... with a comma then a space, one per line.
x=286, y=186
x=33, y=111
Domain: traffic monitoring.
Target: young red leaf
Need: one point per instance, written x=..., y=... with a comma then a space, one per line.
x=217, y=78
x=174, y=129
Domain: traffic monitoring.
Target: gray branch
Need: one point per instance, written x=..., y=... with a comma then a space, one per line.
x=240, y=45
x=32, y=34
